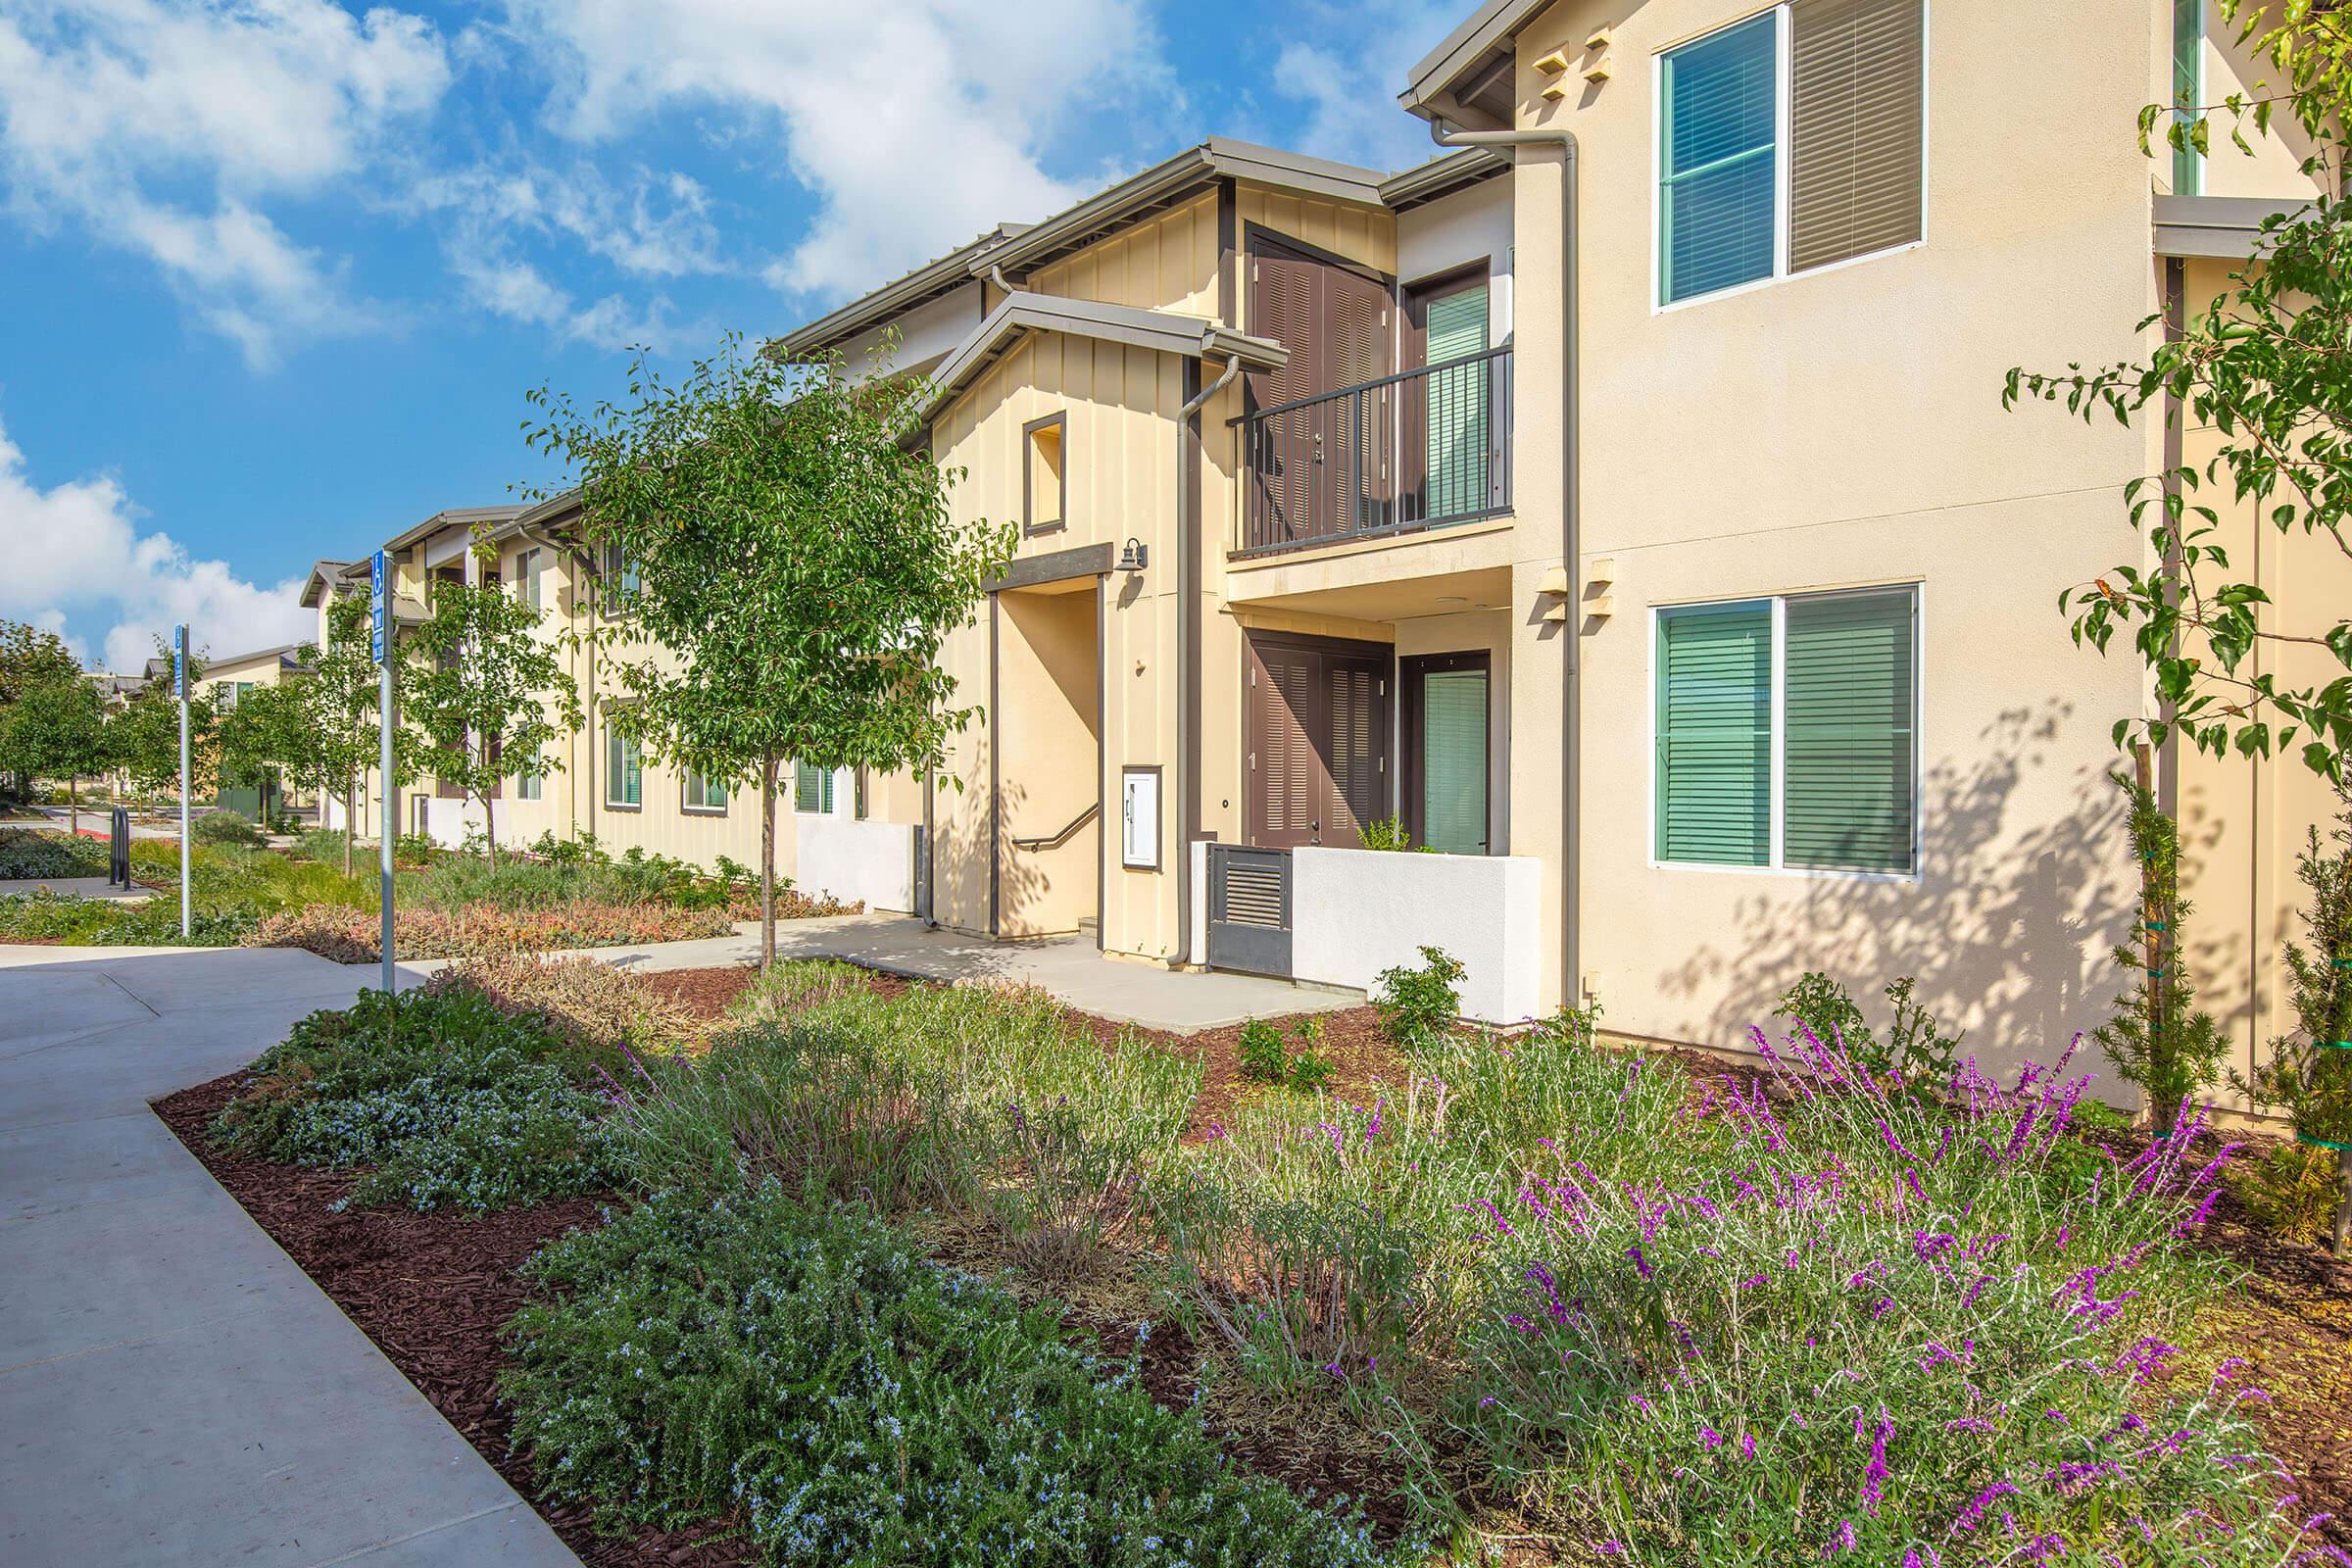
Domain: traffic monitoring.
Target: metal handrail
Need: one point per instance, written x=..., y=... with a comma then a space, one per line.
x=1412, y=450
x=1058, y=840
x=1374, y=385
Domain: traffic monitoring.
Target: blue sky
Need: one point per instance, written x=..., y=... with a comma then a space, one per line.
x=276, y=273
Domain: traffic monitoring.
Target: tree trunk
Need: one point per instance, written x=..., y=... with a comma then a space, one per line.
x=73, y=805
x=767, y=863
x=2342, y=1243
x=490, y=827
x=351, y=820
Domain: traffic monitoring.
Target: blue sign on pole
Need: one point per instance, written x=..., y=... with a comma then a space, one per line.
x=379, y=588
x=180, y=663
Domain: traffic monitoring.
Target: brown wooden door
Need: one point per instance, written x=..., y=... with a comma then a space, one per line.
x=1316, y=768
x=1315, y=470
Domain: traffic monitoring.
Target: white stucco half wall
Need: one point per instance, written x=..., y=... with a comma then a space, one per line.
x=1356, y=913
x=845, y=859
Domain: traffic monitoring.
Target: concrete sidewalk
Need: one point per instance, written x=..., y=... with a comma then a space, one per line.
x=173, y=1390
x=1072, y=968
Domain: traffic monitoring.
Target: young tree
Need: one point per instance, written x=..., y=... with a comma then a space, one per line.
x=57, y=730
x=268, y=731
x=2265, y=364
x=2157, y=1038
x=29, y=657
x=480, y=689
x=796, y=564
x=2310, y=1072
x=142, y=739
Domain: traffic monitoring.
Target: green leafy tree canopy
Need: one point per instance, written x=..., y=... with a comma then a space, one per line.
x=794, y=563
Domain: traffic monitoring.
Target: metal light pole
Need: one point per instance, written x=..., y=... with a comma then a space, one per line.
x=180, y=674
x=380, y=590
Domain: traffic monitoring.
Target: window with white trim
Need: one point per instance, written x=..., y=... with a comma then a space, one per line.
x=812, y=789
x=1786, y=732
x=1791, y=141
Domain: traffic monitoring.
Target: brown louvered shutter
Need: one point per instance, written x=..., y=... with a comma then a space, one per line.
x=1285, y=782
x=1857, y=118
x=1358, y=730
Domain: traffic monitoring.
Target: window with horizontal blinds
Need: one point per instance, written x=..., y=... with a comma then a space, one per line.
x=2188, y=90
x=812, y=789
x=1453, y=761
x=624, y=770
x=1458, y=466
x=1719, y=159
x=1714, y=734
x=1858, y=72
x=1848, y=728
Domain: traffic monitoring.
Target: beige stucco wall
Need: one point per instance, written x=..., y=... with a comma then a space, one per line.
x=2243, y=822
x=1833, y=429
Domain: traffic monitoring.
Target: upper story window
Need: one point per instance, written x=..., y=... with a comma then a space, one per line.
x=528, y=567
x=2188, y=90
x=1045, y=480
x=1791, y=141
x=619, y=575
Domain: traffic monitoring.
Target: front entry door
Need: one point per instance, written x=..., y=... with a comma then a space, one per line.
x=1447, y=706
x=1317, y=739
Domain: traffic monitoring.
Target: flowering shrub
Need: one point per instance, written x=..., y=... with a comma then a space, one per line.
x=439, y=1097
x=1870, y=1327
x=809, y=1373
x=350, y=936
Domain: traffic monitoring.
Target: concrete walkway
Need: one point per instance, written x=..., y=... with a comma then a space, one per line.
x=76, y=886
x=173, y=1390
x=1072, y=968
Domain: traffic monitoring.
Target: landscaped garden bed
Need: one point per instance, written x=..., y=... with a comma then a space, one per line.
x=1584, y=1306
x=448, y=904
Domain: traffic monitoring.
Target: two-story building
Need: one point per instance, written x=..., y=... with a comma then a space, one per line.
x=1620, y=506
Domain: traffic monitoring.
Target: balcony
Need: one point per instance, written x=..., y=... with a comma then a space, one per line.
x=1421, y=448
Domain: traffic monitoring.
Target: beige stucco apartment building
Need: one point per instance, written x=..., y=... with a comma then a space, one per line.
x=1622, y=501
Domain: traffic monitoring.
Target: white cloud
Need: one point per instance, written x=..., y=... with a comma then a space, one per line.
x=916, y=122
x=649, y=225
x=162, y=126
x=1350, y=93
x=75, y=554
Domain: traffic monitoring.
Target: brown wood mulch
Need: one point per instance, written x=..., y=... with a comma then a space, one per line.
x=433, y=1292
x=705, y=994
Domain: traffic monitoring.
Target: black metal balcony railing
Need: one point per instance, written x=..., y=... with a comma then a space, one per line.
x=1416, y=450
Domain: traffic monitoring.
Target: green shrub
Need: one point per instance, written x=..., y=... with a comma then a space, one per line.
x=1386, y=833
x=812, y=1376
x=1418, y=1007
x=2289, y=1191
x=26, y=855
x=1914, y=1051
x=42, y=916
x=227, y=827
x=446, y=1100
x=1266, y=1057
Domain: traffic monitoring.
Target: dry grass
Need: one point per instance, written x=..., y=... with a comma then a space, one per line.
x=591, y=1004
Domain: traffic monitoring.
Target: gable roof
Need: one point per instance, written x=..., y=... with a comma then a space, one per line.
x=324, y=574
x=1023, y=247
x=925, y=284
x=1018, y=315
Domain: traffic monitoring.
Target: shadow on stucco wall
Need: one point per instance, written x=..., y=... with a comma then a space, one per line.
x=2010, y=931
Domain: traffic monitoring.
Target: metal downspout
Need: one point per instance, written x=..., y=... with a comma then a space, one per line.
x=1187, y=639
x=1572, y=416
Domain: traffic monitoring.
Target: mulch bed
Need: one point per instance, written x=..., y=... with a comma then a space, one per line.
x=705, y=994
x=433, y=1292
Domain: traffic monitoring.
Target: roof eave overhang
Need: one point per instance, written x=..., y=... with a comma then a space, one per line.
x=1018, y=315
x=1166, y=184
x=1442, y=177
x=2215, y=227
x=1430, y=86
x=931, y=282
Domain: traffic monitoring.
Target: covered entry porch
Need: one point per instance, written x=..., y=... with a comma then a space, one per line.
x=1374, y=761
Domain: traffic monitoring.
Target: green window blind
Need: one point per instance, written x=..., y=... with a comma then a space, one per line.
x=1453, y=761
x=1719, y=159
x=2188, y=90
x=624, y=770
x=1456, y=324
x=1714, y=734
x=1847, y=791
x=812, y=789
